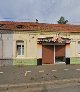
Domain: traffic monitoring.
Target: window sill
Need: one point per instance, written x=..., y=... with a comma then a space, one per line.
x=19, y=57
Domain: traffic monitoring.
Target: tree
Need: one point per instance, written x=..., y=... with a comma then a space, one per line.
x=62, y=20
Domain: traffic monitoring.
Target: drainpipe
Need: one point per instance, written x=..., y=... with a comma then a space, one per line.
x=54, y=54
x=2, y=49
x=2, y=46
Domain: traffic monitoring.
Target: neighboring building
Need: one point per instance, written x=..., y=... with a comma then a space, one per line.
x=29, y=43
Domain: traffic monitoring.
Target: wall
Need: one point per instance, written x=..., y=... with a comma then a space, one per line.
x=67, y=50
x=30, y=49
x=7, y=46
x=74, y=55
x=72, y=49
x=39, y=51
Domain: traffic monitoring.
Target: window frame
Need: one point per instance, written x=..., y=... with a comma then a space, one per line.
x=21, y=44
x=78, y=47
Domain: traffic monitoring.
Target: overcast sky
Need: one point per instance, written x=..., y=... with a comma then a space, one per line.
x=48, y=11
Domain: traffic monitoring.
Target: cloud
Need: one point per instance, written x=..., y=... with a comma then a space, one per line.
x=44, y=10
x=2, y=19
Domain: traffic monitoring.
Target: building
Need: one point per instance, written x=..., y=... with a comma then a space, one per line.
x=30, y=43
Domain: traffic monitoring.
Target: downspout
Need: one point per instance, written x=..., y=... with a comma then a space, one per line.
x=2, y=49
x=2, y=46
x=54, y=54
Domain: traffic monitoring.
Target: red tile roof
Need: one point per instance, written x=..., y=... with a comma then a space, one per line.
x=32, y=26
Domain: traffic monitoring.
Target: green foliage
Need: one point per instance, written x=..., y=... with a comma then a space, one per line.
x=62, y=20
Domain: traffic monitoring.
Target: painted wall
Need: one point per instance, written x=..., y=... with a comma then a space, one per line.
x=7, y=46
x=74, y=55
x=72, y=49
x=30, y=48
x=67, y=50
x=39, y=51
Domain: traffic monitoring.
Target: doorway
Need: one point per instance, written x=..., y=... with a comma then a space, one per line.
x=47, y=54
x=60, y=54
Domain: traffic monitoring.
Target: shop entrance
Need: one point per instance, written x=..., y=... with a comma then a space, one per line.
x=47, y=54
x=60, y=54
x=51, y=55
x=54, y=51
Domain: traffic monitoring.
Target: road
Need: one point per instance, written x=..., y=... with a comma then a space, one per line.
x=40, y=74
x=29, y=74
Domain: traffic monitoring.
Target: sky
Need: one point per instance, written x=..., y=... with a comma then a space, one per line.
x=46, y=11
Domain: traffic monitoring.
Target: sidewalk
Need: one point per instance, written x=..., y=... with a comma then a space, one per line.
x=38, y=86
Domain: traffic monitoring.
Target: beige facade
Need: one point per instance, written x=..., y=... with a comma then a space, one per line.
x=30, y=47
x=33, y=50
x=19, y=42
x=74, y=48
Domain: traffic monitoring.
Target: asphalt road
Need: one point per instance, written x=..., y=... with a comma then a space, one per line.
x=29, y=74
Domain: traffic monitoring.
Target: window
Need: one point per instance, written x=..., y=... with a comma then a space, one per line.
x=78, y=47
x=20, y=26
x=20, y=48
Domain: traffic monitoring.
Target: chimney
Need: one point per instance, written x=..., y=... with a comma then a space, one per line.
x=36, y=20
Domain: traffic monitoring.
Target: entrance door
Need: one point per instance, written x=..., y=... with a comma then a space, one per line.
x=47, y=54
x=59, y=53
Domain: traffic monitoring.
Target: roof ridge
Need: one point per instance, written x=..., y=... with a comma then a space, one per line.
x=30, y=26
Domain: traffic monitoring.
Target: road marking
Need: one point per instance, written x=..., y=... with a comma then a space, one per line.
x=78, y=69
x=27, y=72
x=41, y=71
x=66, y=69
x=53, y=70
x=1, y=72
